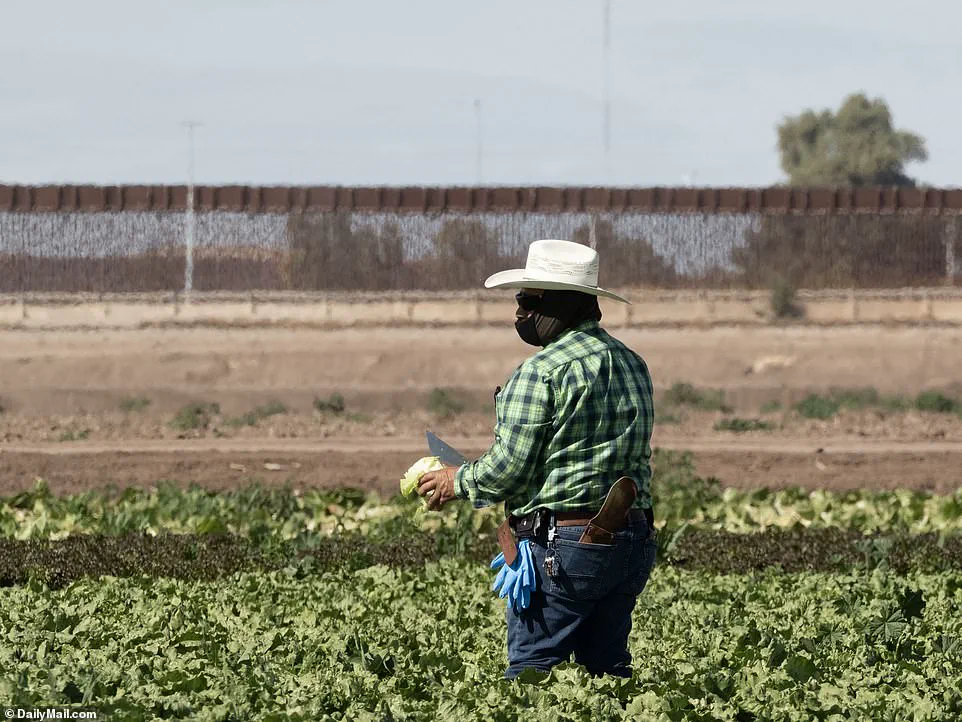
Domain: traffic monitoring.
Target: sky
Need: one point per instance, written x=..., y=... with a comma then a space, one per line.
x=365, y=92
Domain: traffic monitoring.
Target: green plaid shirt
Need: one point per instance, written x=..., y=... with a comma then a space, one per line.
x=571, y=420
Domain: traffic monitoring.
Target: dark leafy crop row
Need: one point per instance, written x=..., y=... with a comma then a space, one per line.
x=202, y=557
x=195, y=557
x=827, y=549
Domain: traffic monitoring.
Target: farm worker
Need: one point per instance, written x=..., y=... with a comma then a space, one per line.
x=570, y=461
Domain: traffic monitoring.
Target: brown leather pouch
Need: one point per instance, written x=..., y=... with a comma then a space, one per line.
x=613, y=514
x=506, y=542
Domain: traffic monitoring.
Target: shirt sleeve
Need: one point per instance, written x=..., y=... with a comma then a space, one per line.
x=524, y=420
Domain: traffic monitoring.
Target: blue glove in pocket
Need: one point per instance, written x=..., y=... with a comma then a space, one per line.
x=518, y=580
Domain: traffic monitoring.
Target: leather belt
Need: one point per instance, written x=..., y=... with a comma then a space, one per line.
x=578, y=518
x=600, y=528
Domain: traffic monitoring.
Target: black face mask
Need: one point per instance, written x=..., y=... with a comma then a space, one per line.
x=540, y=320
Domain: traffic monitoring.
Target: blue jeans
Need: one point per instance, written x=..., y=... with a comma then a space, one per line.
x=585, y=609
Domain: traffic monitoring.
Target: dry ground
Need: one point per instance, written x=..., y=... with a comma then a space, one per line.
x=63, y=385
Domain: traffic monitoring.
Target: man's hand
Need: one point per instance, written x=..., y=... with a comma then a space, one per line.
x=442, y=483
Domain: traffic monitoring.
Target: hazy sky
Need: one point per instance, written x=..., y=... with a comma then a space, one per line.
x=365, y=92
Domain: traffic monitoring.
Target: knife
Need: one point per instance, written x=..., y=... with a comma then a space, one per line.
x=448, y=455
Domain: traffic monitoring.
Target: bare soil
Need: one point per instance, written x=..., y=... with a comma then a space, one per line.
x=61, y=394
x=377, y=464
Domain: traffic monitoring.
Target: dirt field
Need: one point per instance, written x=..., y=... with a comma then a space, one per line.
x=61, y=394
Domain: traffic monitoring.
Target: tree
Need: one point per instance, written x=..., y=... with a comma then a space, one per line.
x=857, y=146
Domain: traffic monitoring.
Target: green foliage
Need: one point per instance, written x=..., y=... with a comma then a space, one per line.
x=770, y=407
x=856, y=146
x=355, y=645
x=668, y=417
x=685, y=394
x=681, y=497
x=445, y=403
x=134, y=403
x=261, y=412
x=333, y=404
x=741, y=425
x=784, y=303
x=271, y=603
x=74, y=435
x=816, y=406
x=195, y=416
x=359, y=418
x=937, y=402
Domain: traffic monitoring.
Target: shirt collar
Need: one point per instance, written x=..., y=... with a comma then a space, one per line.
x=583, y=326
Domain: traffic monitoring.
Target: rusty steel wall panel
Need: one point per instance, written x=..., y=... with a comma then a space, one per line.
x=298, y=199
x=368, y=199
x=178, y=198
x=205, y=198
x=597, y=199
x=414, y=199
x=23, y=198
x=68, y=199
x=232, y=198
x=160, y=198
x=480, y=199
x=952, y=200
x=910, y=199
x=322, y=198
x=436, y=200
x=549, y=200
x=274, y=200
x=115, y=198
x=136, y=198
x=822, y=200
x=574, y=199
x=46, y=198
x=460, y=200
x=505, y=199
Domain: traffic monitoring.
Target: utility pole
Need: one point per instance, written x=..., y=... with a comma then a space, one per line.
x=606, y=85
x=480, y=156
x=189, y=230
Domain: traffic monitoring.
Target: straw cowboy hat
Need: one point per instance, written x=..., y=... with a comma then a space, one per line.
x=556, y=266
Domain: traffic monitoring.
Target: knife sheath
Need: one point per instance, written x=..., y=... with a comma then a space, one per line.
x=613, y=514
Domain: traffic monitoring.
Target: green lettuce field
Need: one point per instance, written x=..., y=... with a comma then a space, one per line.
x=262, y=604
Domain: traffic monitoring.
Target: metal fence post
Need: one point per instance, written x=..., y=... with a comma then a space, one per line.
x=189, y=231
x=951, y=238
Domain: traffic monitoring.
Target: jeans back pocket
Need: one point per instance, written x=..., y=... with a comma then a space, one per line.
x=586, y=571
